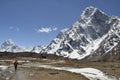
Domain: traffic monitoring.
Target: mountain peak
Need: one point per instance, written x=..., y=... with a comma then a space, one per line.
x=8, y=42
x=86, y=35
x=89, y=11
x=91, y=7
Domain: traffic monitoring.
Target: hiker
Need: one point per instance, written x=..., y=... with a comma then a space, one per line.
x=15, y=64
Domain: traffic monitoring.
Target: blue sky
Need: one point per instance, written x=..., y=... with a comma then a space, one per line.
x=37, y=22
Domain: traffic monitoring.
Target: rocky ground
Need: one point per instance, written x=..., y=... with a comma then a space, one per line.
x=43, y=74
x=27, y=69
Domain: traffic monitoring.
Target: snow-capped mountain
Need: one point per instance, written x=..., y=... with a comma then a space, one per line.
x=38, y=49
x=110, y=47
x=92, y=32
x=94, y=36
x=28, y=49
x=10, y=46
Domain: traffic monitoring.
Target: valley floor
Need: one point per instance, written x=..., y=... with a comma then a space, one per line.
x=27, y=69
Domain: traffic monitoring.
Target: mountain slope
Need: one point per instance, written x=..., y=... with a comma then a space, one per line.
x=109, y=48
x=86, y=36
x=38, y=49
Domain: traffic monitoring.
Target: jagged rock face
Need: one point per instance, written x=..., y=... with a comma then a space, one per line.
x=90, y=33
x=109, y=48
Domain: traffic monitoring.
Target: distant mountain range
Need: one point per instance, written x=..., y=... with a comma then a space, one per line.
x=10, y=46
x=94, y=36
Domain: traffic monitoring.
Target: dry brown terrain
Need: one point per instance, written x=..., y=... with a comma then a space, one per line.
x=35, y=73
x=112, y=68
x=44, y=74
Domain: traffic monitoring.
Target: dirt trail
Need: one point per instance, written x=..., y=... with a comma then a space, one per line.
x=10, y=74
x=20, y=75
x=26, y=72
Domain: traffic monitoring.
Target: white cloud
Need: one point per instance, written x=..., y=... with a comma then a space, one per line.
x=55, y=28
x=46, y=29
x=14, y=28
